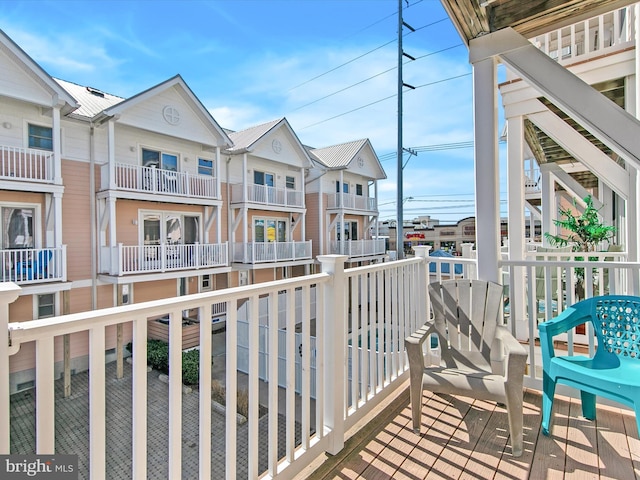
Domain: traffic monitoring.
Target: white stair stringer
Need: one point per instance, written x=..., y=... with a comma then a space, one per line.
x=616, y=177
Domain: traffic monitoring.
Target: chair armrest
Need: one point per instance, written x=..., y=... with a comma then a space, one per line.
x=510, y=353
x=568, y=319
x=413, y=345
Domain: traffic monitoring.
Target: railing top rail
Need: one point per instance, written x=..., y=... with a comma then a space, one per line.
x=570, y=263
x=382, y=266
x=77, y=322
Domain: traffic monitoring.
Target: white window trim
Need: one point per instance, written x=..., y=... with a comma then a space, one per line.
x=161, y=150
x=36, y=304
x=37, y=222
x=163, y=226
x=213, y=166
x=277, y=219
x=28, y=122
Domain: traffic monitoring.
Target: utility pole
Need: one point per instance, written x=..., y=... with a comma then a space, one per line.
x=401, y=84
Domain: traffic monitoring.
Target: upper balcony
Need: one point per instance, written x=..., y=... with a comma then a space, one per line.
x=596, y=36
x=349, y=201
x=157, y=181
x=26, y=165
x=359, y=248
x=266, y=196
x=27, y=266
x=271, y=252
x=145, y=259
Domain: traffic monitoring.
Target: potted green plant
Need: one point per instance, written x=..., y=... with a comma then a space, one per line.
x=584, y=232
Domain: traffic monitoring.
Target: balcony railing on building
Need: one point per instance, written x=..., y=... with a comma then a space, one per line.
x=271, y=252
x=34, y=265
x=604, y=34
x=135, y=259
x=358, y=248
x=341, y=355
x=136, y=178
x=351, y=202
x=266, y=195
x=26, y=164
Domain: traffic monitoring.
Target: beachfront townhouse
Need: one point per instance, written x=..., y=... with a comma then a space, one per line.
x=159, y=202
x=265, y=173
x=342, y=199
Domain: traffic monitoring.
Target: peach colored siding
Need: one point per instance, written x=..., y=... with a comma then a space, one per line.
x=147, y=291
x=76, y=219
x=21, y=310
x=264, y=275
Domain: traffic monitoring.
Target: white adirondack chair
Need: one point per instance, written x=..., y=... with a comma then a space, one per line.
x=480, y=358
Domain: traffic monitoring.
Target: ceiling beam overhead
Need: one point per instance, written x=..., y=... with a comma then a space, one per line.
x=473, y=18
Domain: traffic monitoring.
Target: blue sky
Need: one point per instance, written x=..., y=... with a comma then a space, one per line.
x=313, y=61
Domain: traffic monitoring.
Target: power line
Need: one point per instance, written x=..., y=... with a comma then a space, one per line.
x=372, y=77
x=363, y=55
x=383, y=99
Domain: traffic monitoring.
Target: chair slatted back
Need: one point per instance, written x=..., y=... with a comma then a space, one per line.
x=466, y=313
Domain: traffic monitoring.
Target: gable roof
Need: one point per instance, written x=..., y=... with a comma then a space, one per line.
x=37, y=73
x=341, y=156
x=92, y=101
x=175, y=81
x=247, y=140
x=338, y=156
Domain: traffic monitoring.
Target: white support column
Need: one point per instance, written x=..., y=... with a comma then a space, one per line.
x=111, y=206
x=516, y=206
x=57, y=145
x=548, y=203
x=57, y=220
x=334, y=326
x=218, y=184
x=111, y=152
x=486, y=168
x=8, y=294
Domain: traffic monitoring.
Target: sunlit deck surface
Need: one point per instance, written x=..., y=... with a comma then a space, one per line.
x=468, y=439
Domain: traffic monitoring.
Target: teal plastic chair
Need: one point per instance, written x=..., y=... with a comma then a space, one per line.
x=613, y=372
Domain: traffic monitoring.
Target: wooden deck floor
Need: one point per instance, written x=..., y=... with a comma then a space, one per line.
x=468, y=439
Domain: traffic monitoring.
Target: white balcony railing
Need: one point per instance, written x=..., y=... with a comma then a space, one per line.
x=351, y=202
x=335, y=376
x=595, y=36
x=137, y=178
x=265, y=252
x=33, y=265
x=136, y=259
x=354, y=369
x=26, y=164
x=359, y=248
x=265, y=195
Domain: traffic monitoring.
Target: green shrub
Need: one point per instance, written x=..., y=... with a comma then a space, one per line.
x=158, y=355
x=158, y=358
x=191, y=367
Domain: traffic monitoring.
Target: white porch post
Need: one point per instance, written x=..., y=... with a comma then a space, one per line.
x=548, y=202
x=485, y=113
x=8, y=294
x=516, y=209
x=217, y=171
x=57, y=145
x=334, y=328
x=111, y=152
